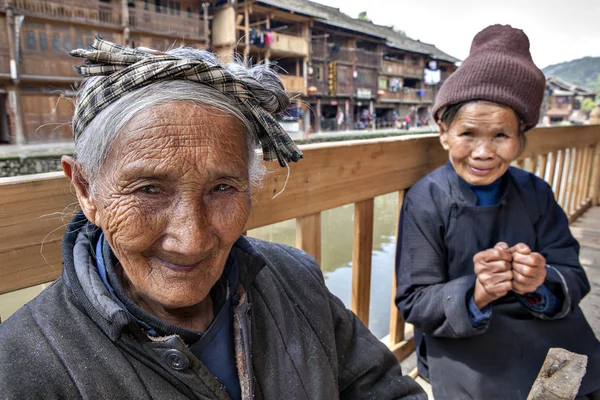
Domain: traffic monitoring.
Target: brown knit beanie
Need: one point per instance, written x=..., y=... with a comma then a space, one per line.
x=499, y=69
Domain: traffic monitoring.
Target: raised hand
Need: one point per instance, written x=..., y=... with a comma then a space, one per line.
x=494, y=271
x=529, y=269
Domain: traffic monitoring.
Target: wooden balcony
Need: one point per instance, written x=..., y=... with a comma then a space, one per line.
x=73, y=10
x=36, y=207
x=145, y=17
x=293, y=84
x=401, y=69
x=407, y=95
x=289, y=44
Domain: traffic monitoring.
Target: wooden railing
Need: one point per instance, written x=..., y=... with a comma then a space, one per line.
x=35, y=209
x=289, y=44
x=166, y=20
x=401, y=69
x=293, y=84
x=408, y=95
x=88, y=11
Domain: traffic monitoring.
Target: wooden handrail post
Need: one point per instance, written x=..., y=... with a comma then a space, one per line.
x=553, y=161
x=362, y=249
x=308, y=235
x=595, y=183
x=543, y=162
x=561, y=167
x=531, y=164
x=396, y=320
x=573, y=206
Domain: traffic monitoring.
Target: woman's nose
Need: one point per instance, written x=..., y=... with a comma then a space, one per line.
x=189, y=230
x=484, y=149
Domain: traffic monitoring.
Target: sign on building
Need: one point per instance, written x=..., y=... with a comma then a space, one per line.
x=362, y=93
x=332, y=78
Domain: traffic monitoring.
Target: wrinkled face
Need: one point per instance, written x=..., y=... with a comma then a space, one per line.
x=482, y=141
x=172, y=198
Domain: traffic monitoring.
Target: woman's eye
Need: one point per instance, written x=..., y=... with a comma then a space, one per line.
x=221, y=187
x=149, y=189
x=501, y=135
x=466, y=134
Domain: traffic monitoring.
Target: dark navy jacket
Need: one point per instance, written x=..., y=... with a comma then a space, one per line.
x=293, y=339
x=441, y=229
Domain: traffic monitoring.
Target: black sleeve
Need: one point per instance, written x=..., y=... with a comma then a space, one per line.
x=425, y=297
x=367, y=368
x=565, y=277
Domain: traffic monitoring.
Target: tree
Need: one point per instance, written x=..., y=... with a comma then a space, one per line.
x=363, y=17
x=588, y=105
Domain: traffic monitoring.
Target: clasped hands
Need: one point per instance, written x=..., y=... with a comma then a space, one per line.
x=502, y=269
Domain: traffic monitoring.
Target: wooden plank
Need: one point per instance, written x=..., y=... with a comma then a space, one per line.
x=560, y=376
x=362, y=250
x=344, y=173
x=543, y=163
x=570, y=174
x=552, y=161
x=586, y=172
x=584, y=207
x=396, y=320
x=403, y=349
x=531, y=164
x=576, y=180
x=559, y=179
x=595, y=179
x=520, y=163
x=308, y=235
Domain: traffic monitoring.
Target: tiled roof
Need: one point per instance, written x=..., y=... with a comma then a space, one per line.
x=334, y=17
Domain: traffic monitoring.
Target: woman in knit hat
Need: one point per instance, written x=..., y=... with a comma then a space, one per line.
x=488, y=272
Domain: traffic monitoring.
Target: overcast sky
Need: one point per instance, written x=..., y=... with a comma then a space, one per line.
x=559, y=30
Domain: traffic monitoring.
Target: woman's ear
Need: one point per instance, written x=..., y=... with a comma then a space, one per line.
x=74, y=172
x=443, y=135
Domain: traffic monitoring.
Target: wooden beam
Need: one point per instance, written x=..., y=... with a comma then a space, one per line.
x=558, y=193
x=308, y=235
x=553, y=159
x=396, y=320
x=576, y=180
x=362, y=250
x=246, y=33
x=531, y=164
x=595, y=179
x=543, y=163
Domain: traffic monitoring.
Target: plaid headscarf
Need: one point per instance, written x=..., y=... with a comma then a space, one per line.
x=124, y=69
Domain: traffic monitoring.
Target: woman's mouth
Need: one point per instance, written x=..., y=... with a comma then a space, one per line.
x=481, y=171
x=180, y=267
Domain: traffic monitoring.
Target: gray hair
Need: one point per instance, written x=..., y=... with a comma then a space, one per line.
x=94, y=144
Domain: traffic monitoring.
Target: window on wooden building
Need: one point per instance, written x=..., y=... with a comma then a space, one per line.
x=56, y=42
x=30, y=35
x=67, y=42
x=43, y=41
x=383, y=82
x=319, y=73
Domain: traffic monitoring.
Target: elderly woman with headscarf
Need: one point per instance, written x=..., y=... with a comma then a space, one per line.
x=488, y=271
x=161, y=296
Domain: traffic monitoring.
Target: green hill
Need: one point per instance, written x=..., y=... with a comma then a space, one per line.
x=583, y=71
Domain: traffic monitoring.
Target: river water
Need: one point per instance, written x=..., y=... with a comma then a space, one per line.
x=336, y=257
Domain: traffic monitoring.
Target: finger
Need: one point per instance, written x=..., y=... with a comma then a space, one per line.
x=522, y=289
x=520, y=248
x=496, y=254
x=500, y=289
x=525, y=270
x=533, y=259
x=502, y=277
x=501, y=246
x=498, y=266
x=522, y=279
